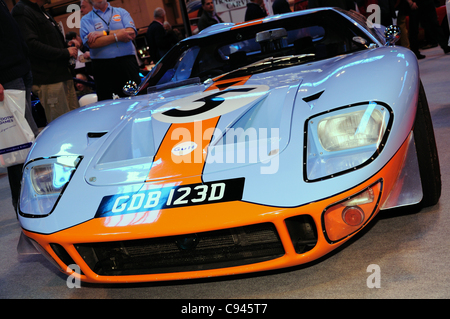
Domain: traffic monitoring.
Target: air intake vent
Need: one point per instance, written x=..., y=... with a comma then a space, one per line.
x=313, y=97
x=303, y=232
x=92, y=136
x=96, y=134
x=191, y=252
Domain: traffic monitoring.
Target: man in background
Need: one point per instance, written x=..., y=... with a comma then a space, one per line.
x=255, y=10
x=109, y=33
x=158, y=39
x=281, y=6
x=209, y=16
x=85, y=7
x=15, y=73
x=82, y=85
x=423, y=12
x=49, y=56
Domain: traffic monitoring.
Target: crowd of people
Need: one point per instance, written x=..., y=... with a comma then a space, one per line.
x=420, y=13
x=37, y=57
x=105, y=54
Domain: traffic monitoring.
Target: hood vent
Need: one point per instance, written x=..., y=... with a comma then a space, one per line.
x=94, y=136
x=311, y=100
x=313, y=97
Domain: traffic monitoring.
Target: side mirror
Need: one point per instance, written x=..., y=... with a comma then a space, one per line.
x=392, y=35
x=130, y=88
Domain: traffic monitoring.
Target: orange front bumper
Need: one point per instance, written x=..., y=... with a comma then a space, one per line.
x=212, y=217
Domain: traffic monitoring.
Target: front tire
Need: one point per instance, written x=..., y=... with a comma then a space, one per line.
x=427, y=154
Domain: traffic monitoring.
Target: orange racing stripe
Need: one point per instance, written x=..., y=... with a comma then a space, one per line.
x=168, y=165
x=247, y=23
x=225, y=84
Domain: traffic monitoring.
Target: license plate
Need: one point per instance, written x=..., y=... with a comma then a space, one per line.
x=171, y=197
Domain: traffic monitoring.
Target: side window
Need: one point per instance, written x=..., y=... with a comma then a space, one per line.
x=183, y=67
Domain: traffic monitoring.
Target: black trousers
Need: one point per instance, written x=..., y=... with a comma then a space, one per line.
x=15, y=178
x=111, y=75
x=427, y=17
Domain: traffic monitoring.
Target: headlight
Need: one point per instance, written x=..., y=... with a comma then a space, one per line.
x=43, y=183
x=345, y=139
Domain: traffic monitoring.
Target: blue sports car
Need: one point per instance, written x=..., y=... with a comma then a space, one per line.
x=248, y=147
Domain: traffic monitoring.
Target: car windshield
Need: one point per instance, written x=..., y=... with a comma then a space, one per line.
x=248, y=49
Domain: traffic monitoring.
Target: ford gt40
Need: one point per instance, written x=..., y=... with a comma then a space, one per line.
x=248, y=147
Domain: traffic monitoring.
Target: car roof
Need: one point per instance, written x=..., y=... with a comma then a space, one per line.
x=226, y=26
x=374, y=33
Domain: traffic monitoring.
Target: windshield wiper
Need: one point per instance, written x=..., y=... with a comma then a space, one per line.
x=171, y=85
x=270, y=63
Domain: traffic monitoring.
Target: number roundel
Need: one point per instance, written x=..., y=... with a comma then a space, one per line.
x=209, y=104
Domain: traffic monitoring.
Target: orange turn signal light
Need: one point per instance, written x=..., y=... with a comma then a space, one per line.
x=353, y=216
x=342, y=219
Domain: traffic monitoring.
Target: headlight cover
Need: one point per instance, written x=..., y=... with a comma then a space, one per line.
x=43, y=183
x=345, y=139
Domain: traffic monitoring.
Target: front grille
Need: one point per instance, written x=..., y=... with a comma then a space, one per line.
x=191, y=252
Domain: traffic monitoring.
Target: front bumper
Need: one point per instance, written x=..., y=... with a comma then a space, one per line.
x=209, y=240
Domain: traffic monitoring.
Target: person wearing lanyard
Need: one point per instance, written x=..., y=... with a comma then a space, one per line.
x=108, y=32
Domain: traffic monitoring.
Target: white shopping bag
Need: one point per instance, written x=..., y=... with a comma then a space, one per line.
x=16, y=136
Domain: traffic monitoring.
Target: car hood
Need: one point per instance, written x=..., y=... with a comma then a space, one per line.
x=251, y=126
x=207, y=127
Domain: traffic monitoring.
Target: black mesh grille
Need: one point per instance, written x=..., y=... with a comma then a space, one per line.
x=208, y=250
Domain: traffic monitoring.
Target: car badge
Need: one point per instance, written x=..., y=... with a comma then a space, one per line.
x=184, y=148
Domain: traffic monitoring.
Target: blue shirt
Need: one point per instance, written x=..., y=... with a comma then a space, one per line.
x=112, y=19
